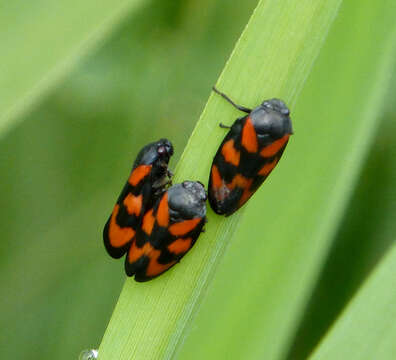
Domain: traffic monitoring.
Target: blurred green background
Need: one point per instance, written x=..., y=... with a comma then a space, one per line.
x=63, y=164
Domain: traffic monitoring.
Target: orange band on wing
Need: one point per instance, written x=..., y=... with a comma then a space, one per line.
x=133, y=204
x=119, y=236
x=243, y=183
x=154, y=268
x=240, y=181
x=138, y=174
x=148, y=222
x=183, y=227
x=230, y=154
x=273, y=148
x=180, y=246
x=136, y=252
x=267, y=168
x=163, y=212
x=217, y=182
x=245, y=196
x=249, y=137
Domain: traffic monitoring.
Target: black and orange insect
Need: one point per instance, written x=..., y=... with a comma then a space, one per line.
x=168, y=231
x=145, y=184
x=249, y=152
x=153, y=225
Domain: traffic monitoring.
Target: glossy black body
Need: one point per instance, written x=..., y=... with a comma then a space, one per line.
x=268, y=124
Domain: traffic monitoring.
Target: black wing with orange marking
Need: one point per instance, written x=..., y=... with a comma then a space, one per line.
x=145, y=184
x=168, y=231
x=247, y=155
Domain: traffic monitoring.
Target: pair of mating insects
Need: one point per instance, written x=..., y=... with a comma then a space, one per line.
x=155, y=225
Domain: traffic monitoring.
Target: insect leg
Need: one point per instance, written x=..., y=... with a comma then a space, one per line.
x=239, y=107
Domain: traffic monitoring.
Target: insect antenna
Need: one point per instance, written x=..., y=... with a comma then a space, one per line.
x=239, y=107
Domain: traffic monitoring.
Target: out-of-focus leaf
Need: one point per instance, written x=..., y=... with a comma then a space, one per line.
x=365, y=234
x=366, y=330
x=41, y=41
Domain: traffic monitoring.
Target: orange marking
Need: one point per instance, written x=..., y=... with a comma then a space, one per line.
x=222, y=190
x=231, y=154
x=272, y=149
x=136, y=252
x=245, y=196
x=219, y=187
x=217, y=182
x=139, y=174
x=180, y=246
x=163, y=212
x=184, y=227
x=267, y=168
x=119, y=236
x=243, y=183
x=148, y=222
x=154, y=268
x=249, y=137
x=133, y=204
x=240, y=181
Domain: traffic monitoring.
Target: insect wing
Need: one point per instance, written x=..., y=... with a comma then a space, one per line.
x=166, y=234
x=125, y=219
x=245, y=158
x=145, y=184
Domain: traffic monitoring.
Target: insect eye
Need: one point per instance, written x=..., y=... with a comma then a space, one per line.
x=267, y=104
x=285, y=111
x=161, y=150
